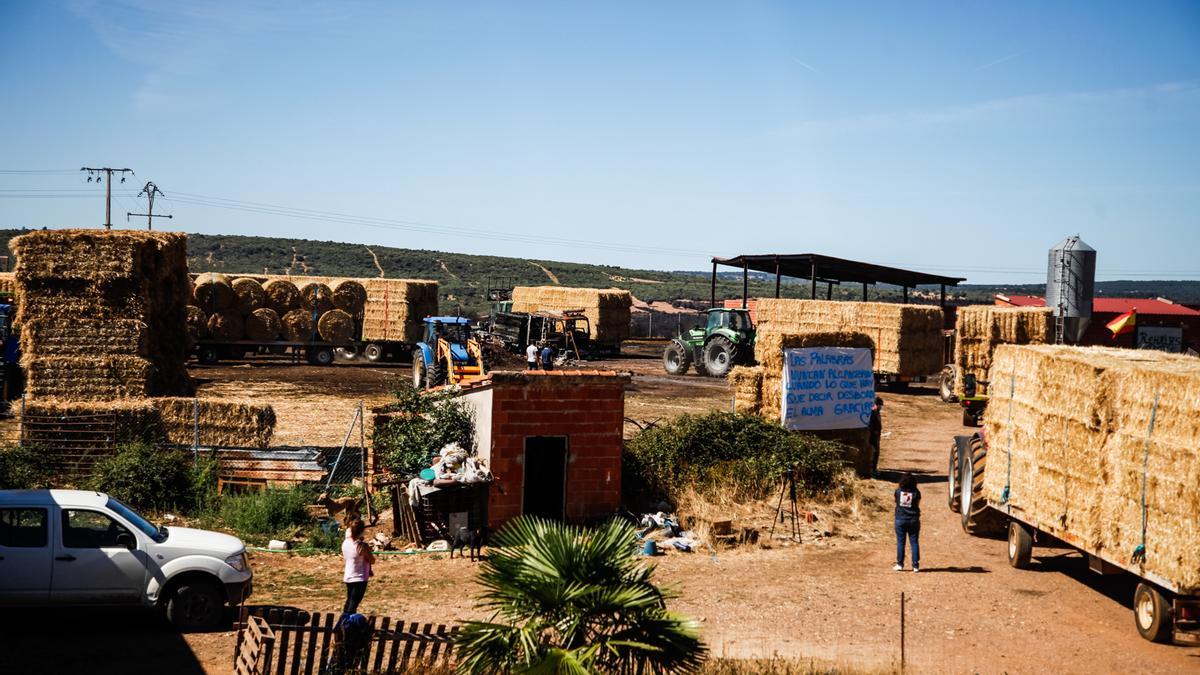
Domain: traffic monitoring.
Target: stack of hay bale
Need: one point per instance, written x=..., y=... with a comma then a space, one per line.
x=607, y=310
x=307, y=309
x=8, y=285
x=102, y=313
x=907, y=338
x=1076, y=423
x=758, y=390
x=979, y=329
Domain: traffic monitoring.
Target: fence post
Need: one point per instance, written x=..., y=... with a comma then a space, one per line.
x=650, y=327
x=345, y=441
x=195, y=428
x=902, y=654
x=362, y=455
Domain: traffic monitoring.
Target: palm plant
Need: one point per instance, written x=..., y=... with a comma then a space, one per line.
x=570, y=599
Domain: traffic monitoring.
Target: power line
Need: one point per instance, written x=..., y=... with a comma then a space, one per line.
x=108, y=172
x=148, y=192
x=39, y=172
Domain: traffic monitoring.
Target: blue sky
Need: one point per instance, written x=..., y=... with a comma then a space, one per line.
x=961, y=138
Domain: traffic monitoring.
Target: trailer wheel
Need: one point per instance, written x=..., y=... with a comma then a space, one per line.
x=373, y=353
x=946, y=385
x=209, y=354
x=952, y=477
x=1020, y=545
x=320, y=356
x=1152, y=614
x=976, y=516
x=418, y=369
x=346, y=353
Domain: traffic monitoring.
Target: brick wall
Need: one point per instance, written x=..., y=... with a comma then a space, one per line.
x=588, y=410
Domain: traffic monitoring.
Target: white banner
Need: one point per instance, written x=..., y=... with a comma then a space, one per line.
x=1164, y=338
x=827, y=388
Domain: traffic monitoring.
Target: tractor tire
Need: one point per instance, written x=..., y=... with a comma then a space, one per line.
x=953, y=480
x=1152, y=614
x=435, y=375
x=420, y=378
x=719, y=356
x=1020, y=545
x=977, y=517
x=373, y=353
x=676, y=359
x=946, y=385
x=701, y=369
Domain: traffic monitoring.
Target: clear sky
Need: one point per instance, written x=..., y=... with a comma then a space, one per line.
x=959, y=137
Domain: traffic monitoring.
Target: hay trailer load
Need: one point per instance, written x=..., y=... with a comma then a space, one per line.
x=315, y=317
x=606, y=311
x=1093, y=449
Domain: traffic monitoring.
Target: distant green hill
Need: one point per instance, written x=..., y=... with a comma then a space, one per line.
x=464, y=279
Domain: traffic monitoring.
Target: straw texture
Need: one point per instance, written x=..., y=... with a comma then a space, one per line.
x=230, y=424
x=298, y=326
x=248, y=295
x=747, y=389
x=226, y=326
x=1075, y=422
x=979, y=329
x=263, y=325
x=316, y=296
x=607, y=310
x=8, y=284
x=281, y=295
x=396, y=308
x=350, y=296
x=213, y=292
x=336, y=326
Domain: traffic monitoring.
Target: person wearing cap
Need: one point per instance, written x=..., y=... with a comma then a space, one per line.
x=876, y=428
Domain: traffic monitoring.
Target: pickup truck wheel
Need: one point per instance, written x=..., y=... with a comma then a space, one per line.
x=976, y=516
x=196, y=605
x=1151, y=613
x=1020, y=545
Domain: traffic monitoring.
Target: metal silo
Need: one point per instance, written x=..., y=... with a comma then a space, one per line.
x=1070, y=285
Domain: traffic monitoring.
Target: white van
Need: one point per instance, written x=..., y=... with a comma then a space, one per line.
x=71, y=547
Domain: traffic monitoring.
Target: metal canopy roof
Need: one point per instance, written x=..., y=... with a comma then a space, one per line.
x=827, y=268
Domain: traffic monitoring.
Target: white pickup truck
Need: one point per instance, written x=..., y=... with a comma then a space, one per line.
x=71, y=547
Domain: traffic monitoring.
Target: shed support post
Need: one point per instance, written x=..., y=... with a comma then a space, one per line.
x=906, y=294
x=745, y=283
x=829, y=290
x=813, y=292
x=713, y=301
x=777, y=278
x=864, y=291
x=943, y=295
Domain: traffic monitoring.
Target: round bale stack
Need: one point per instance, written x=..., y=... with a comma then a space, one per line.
x=249, y=295
x=282, y=296
x=298, y=326
x=316, y=297
x=226, y=326
x=263, y=325
x=336, y=327
x=349, y=296
x=214, y=292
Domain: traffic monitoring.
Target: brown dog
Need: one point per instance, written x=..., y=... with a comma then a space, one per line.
x=333, y=506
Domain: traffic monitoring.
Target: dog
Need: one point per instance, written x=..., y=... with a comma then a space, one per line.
x=334, y=505
x=473, y=539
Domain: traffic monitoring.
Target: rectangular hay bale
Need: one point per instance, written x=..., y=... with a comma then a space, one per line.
x=221, y=423
x=607, y=310
x=83, y=378
x=979, y=329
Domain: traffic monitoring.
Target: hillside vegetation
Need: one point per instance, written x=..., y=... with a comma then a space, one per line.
x=464, y=279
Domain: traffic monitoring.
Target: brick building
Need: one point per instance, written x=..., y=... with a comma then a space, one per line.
x=1159, y=322
x=553, y=441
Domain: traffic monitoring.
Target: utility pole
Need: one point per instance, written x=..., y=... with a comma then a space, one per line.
x=148, y=192
x=108, y=172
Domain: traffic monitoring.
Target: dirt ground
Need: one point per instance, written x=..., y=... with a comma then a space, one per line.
x=834, y=599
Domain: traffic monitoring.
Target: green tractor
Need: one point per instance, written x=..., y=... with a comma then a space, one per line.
x=726, y=340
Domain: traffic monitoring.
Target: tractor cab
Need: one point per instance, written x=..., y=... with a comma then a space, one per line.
x=448, y=354
x=736, y=320
x=726, y=339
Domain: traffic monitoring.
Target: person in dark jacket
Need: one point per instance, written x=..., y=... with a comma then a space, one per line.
x=908, y=521
x=876, y=428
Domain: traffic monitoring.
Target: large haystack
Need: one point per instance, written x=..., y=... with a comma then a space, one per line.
x=106, y=312
x=979, y=329
x=396, y=309
x=249, y=295
x=350, y=296
x=316, y=297
x=231, y=424
x=1075, y=423
x=907, y=338
x=336, y=327
x=281, y=295
x=606, y=309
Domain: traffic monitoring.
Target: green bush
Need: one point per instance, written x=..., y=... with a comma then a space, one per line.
x=204, y=484
x=325, y=539
x=146, y=477
x=23, y=469
x=421, y=424
x=266, y=514
x=740, y=452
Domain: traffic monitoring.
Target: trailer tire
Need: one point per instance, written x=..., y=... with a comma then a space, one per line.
x=976, y=516
x=1152, y=614
x=953, y=482
x=946, y=385
x=373, y=353
x=320, y=356
x=209, y=354
x=676, y=359
x=1020, y=545
x=347, y=353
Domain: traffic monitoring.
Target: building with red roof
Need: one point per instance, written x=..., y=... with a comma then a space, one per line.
x=1160, y=322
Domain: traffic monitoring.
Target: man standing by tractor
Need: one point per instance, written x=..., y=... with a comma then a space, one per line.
x=531, y=356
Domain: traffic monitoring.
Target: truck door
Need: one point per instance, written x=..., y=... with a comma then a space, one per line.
x=25, y=553
x=92, y=561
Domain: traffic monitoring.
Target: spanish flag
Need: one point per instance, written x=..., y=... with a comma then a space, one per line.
x=1123, y=324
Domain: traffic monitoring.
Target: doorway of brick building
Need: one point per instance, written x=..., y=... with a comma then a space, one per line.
x=545, y=476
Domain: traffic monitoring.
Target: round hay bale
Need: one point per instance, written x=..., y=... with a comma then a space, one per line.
x=316, y=296
x=248, y=295
x=282, y=296
x=298, y=325
x=336, y=326
x=263, y=325
x=213, y=292
x=349, y=296
x=227, y=326
x=197, y=321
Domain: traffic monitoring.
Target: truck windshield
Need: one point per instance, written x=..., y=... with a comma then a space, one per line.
x=136, y=520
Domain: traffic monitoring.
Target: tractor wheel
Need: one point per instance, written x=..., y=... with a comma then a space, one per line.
x=946, y=386
x=977, y=517
x=419, y=378
x=1152, y=614
x=952, y=477
x=435, y=375
x=1020, y=545
x=701, y=368
x=676, y=359
x=719, y=356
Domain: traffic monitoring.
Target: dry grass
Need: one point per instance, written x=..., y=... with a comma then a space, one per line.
x=336, y=326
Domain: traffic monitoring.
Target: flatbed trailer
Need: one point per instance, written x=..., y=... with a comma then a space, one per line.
x=1161, y=608
x=317, y=353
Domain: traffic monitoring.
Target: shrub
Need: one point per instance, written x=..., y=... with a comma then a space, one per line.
x=743, y=452
x=204, y=484
x=23, y=469
x=420, y=425
x=326, y=537
x=146, y=477
x=270, y=513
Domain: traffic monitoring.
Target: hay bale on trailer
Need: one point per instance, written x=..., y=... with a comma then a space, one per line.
x=336, y=327
x=1076, y=423
x=213, y=292
x=263, y=325
x=248, y=295
x=8, y=285
x=197, y=323
x=227, y=326
x=607, y=310
x=907, y=338
x=221, y=423
x=281, y=295
x=298, y=326
x=350, y=296
x=316, y=297
x=396, y=307
x=979, y=329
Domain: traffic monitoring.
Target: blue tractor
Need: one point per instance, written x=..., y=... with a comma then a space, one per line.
x=448, y=354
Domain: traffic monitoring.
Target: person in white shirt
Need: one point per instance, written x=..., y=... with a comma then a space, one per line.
x=359, y=560
x=531, y=356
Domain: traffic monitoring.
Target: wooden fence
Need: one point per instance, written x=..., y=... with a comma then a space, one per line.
x=285, y=641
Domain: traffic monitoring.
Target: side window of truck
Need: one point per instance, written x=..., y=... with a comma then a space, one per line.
x=23, y=528
x=90, y=529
